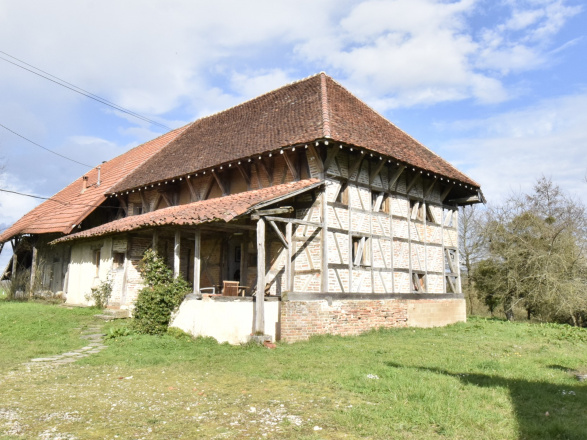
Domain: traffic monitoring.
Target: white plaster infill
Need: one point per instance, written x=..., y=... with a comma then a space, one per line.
x=226, y=319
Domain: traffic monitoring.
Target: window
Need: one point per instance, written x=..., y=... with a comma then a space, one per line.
x=361, y=248
x=137, y=210
x=416, y=210
x=430, y=218
x=380, y=202
x=117, y=260
x=418, y=282
x=343, y=194
x=97, y=262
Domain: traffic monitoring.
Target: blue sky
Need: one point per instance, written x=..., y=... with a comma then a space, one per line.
x=499, y=88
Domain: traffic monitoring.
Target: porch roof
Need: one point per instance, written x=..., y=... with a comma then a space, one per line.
x=220, y=209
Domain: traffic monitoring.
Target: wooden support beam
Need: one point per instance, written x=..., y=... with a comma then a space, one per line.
x=221, y=184
x=267, y=170
x=445, y=192
x=176, y=253
x=155, y=239
x=14, y=265
x=429, y=189
x=276, y=211
x=279, y=234
x=290, y=165
x=413, y=182
x=375, y=172
x=395, y=175
x=260, y=296
x=123, y=205
x=144, y=203
x=33, y=270
x=244, y=266
x=289, y=281
x=294, y=221
x=355, y=166
x=194, y=196
x=324, y=244
x=317, y=158
x=197, y=261
x=167, y=199
x=465, y=200
x=330, y=156
x=206, y=189
x=246, y=174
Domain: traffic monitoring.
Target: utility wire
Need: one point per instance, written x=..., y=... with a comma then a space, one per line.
x=40, y=146
x=79, y=90
x=54, y=200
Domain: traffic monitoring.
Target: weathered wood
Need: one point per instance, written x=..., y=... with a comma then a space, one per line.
x=318, y=159
x=395, y=175
x=428, y=190
x=206, y=190
x=295, y=221
x=375, y=172
x=246, y=174
x=356, y=166
x=465, y=200
x=123, y=205
x=222, y=185
x=194, y=196
x=267, y=170
x=144, y=203
x=33, y=271
x=260, y=297
x=279, y=234
x=276, y=211
x=167, y=199
x=244, y=266
x=330, y=156
x=413, y=182
x=291, y=166
x=289, y=281
x=176, y=253
x=324, y=244
x=445, y=192
x=197, y=261
x=155, y=239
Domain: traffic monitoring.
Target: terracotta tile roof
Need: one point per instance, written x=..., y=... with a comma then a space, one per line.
x=70, y=206
x=220, y=209
x=301, y=112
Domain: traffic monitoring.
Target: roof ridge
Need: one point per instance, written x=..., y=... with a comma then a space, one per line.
x=395, y=126
x=257, y=97
x=325, y=105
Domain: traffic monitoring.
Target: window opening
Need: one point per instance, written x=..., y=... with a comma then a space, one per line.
x=343, y=194
x=361, y=251
x=418, y=282
x=97, y=262
x=416, y=210
x=117, y=260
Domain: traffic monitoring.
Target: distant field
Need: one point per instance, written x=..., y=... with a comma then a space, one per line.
x=482, y=380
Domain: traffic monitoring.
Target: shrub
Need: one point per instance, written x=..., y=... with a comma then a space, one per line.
x=159, y=298
x=101, y=294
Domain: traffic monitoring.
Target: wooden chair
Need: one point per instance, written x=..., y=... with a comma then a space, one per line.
x=230, y=288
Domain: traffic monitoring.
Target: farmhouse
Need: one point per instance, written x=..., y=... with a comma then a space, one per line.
x=299, y=212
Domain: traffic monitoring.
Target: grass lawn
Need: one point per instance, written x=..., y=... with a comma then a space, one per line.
x=485, y=379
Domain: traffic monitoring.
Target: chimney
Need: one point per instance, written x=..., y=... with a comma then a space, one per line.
x=99, y=170
x=84, y=183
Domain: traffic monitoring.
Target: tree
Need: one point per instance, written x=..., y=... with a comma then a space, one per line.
x=537, y=256
x=472, y=246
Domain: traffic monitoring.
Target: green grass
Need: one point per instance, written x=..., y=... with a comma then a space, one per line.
x=486, y=379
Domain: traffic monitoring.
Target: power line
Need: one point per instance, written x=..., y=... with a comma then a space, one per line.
x=46, y=149
x=55, y=200
x=79, y=90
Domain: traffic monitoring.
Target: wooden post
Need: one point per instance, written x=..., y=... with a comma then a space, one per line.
x=244, y=266
x=14, y=264
x=324, y=244
x=197, y=245
x=155, y=239
x=288, y=266
x=260, y=298
x=176, y=251
x=33, y=271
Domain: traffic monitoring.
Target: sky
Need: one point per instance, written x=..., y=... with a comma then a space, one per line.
x=496, y=87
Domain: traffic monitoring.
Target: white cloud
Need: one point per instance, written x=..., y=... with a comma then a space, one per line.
x=511, y=150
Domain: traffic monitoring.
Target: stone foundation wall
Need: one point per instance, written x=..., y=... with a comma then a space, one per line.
x=302, y=319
